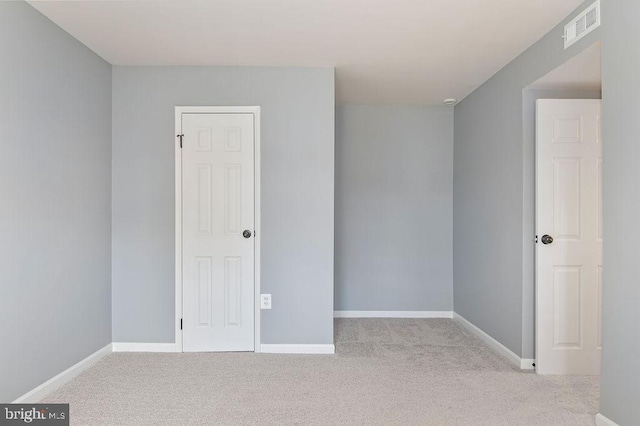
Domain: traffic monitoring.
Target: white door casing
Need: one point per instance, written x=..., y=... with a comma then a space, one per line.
x=569, y=210
x=216, y=202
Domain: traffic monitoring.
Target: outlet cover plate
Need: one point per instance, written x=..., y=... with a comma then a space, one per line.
x=265, y=301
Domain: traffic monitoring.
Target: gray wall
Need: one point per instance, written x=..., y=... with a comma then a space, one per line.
x=620, y=381
x=529, y=98
x=394, y=190
x=55, y=198
x=491, y=244
x=297, y=194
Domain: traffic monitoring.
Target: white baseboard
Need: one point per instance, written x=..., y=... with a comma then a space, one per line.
x=39, y=392
x=143, y=347
x=524, y=364
x=273, y=349
x=603, y=421
x=298, y=349
x=393, y=314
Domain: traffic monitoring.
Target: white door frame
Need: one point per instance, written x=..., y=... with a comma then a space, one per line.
x=179, y=110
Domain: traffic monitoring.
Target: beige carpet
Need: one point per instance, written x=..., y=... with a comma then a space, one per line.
x=385, y=372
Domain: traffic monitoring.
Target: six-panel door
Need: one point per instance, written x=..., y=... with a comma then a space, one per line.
x=217, y=207
x=569, y=210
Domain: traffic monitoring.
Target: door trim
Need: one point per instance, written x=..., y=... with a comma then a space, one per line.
x=179, y=110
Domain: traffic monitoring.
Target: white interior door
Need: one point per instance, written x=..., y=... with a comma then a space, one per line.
x=569, y=230
x=218, y=232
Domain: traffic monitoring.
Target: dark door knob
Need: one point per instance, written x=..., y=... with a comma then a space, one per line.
x=547, y=239
x=246, y=233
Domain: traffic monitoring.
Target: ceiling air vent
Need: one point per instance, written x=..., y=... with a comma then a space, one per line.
x=582, y=25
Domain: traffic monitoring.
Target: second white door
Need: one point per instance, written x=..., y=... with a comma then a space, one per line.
x=218, y=232
x=569, y=227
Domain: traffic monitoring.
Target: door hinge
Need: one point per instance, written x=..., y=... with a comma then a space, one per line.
x=180, y=136
x=180, y=323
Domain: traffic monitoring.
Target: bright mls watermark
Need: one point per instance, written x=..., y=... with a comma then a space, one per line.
x=34, y=414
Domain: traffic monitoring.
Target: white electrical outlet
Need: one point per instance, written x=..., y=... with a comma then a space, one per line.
x=265, y=301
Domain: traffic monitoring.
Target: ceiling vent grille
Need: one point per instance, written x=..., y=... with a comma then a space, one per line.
x=582, y=25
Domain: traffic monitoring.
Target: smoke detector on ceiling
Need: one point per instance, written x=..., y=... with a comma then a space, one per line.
x=582, y=24
x=450, y=101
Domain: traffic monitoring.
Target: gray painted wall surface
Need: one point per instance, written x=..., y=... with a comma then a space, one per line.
x=55, y=186
x=297, y=194
x=394, y=201
x=529, y=98
x=491, y=243
x=620, y=381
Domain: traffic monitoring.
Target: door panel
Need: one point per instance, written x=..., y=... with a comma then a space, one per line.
x=567, y=212
x=217, y=206
x=569, y=209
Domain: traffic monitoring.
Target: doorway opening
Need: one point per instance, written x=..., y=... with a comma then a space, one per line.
x=562, y=113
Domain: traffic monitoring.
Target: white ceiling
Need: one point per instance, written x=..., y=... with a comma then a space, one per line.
x=384, y=51
x=579, y=73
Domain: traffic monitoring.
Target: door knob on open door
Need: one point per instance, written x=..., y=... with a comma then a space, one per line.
x=246, y=233
x=547, y=239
